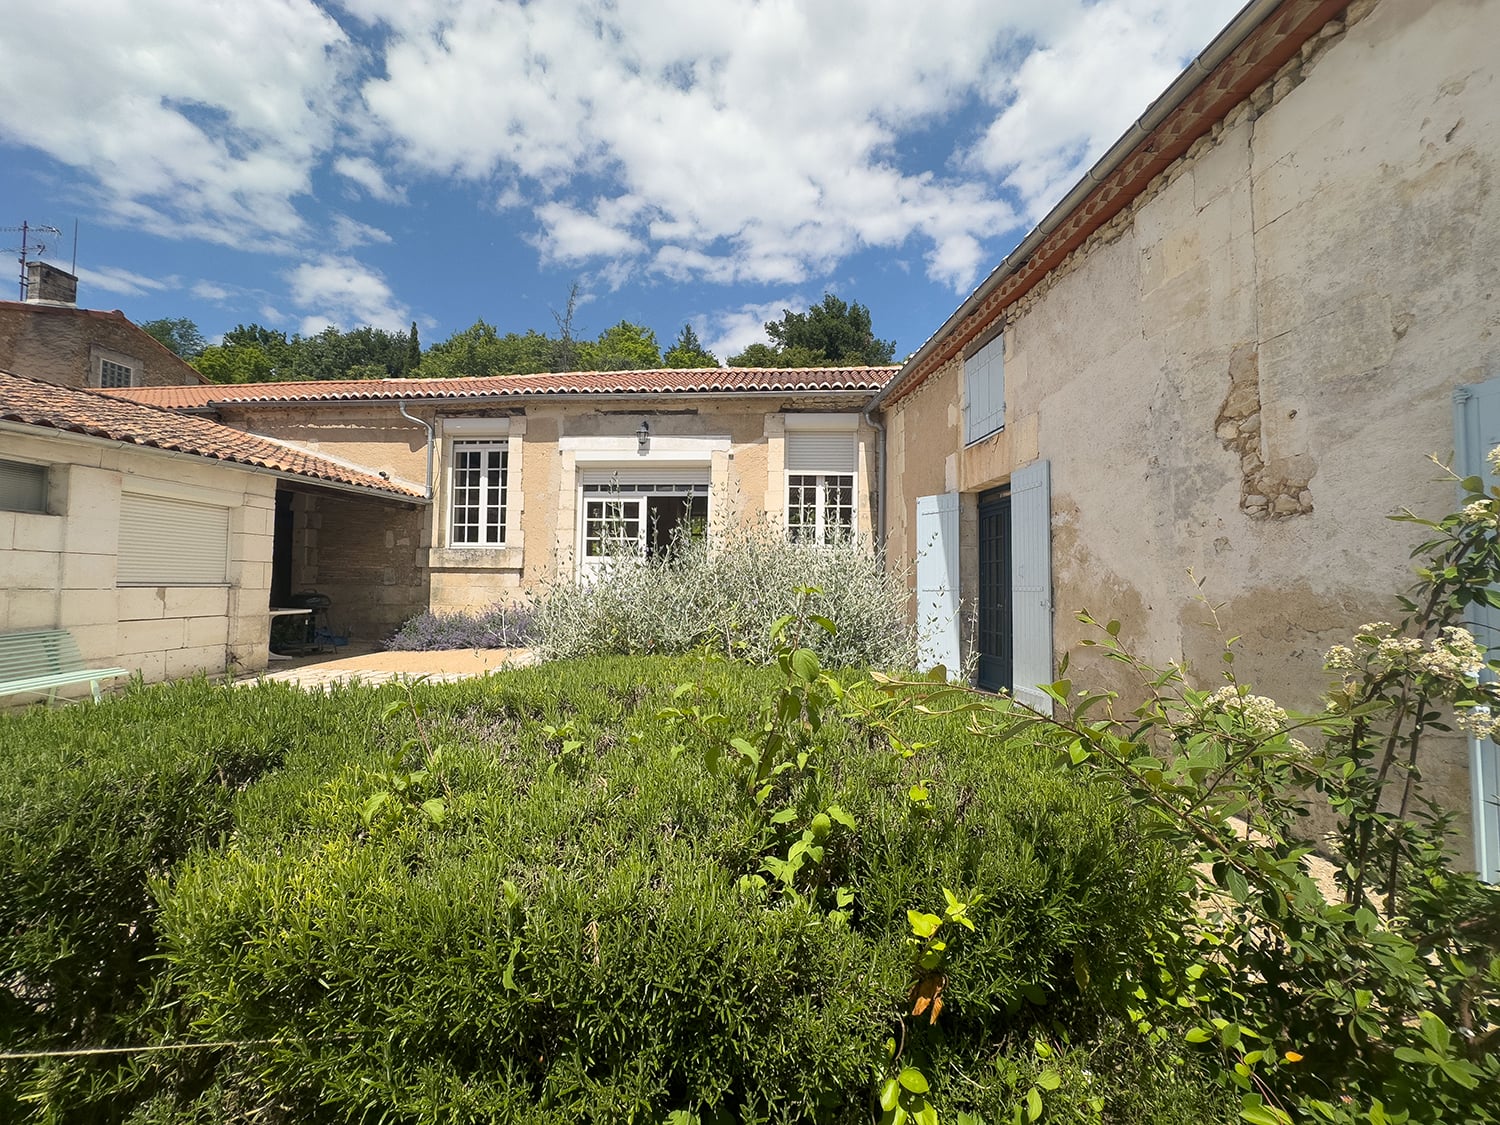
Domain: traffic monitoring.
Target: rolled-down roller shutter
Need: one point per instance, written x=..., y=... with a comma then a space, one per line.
x=821, y=451
x=23, y=487
x=168, y=542
x=648, y=478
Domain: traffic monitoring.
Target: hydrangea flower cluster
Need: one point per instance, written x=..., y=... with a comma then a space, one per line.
x=1454, y=656
x=1478, y=721
x=1261, y=715
x=1481, y=513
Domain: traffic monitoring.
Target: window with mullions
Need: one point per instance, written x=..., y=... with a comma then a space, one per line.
x=611, y=528
x=477, y=489
x=820, y=507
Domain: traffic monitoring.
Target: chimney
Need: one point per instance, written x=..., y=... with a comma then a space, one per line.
x=48, y=285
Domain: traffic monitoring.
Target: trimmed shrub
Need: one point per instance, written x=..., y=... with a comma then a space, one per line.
x=545, y=907
x=726, y=597
x=96, y=801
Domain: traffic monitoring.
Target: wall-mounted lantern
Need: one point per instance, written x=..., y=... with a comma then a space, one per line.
x=643, y=438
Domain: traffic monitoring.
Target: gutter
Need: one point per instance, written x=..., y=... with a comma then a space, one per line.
x=1250, y=17
x=868, y=414
x=401, y=406
x=34, y=431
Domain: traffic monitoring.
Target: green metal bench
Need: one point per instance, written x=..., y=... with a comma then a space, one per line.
x=42, y=660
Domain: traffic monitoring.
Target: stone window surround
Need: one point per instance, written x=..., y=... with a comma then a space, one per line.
x=446, y=556
x=818, y=422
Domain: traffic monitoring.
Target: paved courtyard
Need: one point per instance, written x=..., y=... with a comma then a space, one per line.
x=376, y=666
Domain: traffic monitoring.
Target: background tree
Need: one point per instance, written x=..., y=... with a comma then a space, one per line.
x=480, y=350
x=832, y=334
x=565, y=354
x=625, y=347
x=687, y=352
x=179, y=334
x=413, y=351
x=236, y=363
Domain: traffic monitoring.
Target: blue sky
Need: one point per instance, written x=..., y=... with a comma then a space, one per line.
x=711, y=162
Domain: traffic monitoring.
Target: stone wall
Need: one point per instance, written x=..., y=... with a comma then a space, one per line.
x=367, y=555
x=65, y=345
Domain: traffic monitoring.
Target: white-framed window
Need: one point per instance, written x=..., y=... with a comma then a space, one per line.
x=640, y=511
x=821, y=468
x=477, y=493
x=819, y=507
x=613, y=527
x=112, y=374
x=984, y=390
x=170, y=542
x=23, y=487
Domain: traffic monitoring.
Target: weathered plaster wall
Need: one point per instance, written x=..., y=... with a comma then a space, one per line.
x=58, y=570
x=62, y=345
x=1242, y=375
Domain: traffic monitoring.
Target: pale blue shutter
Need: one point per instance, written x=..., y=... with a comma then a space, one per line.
x=1476, y=414
x=937, y=582
x=1031, y=583
x=984, y=391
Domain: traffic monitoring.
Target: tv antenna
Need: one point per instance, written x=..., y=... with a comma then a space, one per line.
x=30, y=245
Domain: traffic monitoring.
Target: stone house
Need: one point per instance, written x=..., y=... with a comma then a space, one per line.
x=540, y=477
x=148, y=535
x=1227, y=353
x=49, y=337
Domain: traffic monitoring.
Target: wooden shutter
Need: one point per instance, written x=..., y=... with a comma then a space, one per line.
x=937, y=582
x=167, y=542
x=1477, y=431
x=984, y=391
x=821, y=451
x=1031, y=583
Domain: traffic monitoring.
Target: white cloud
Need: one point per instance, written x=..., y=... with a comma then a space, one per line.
x=194, y=119
x=747, y=150
x=348, y=233
x=212, y=291
x=730, y=331
x=716, y=142
x=367, y=174
x=114, y=279
x=347, y=293
x=1073, y=96
x=575, y=236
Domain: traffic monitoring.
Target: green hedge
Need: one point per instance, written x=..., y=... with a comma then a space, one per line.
x=97, y=802
x=573, y=943
x=570, y=939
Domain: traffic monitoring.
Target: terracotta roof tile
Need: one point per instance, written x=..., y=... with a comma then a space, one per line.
x=35, y=403
x=712, y=380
